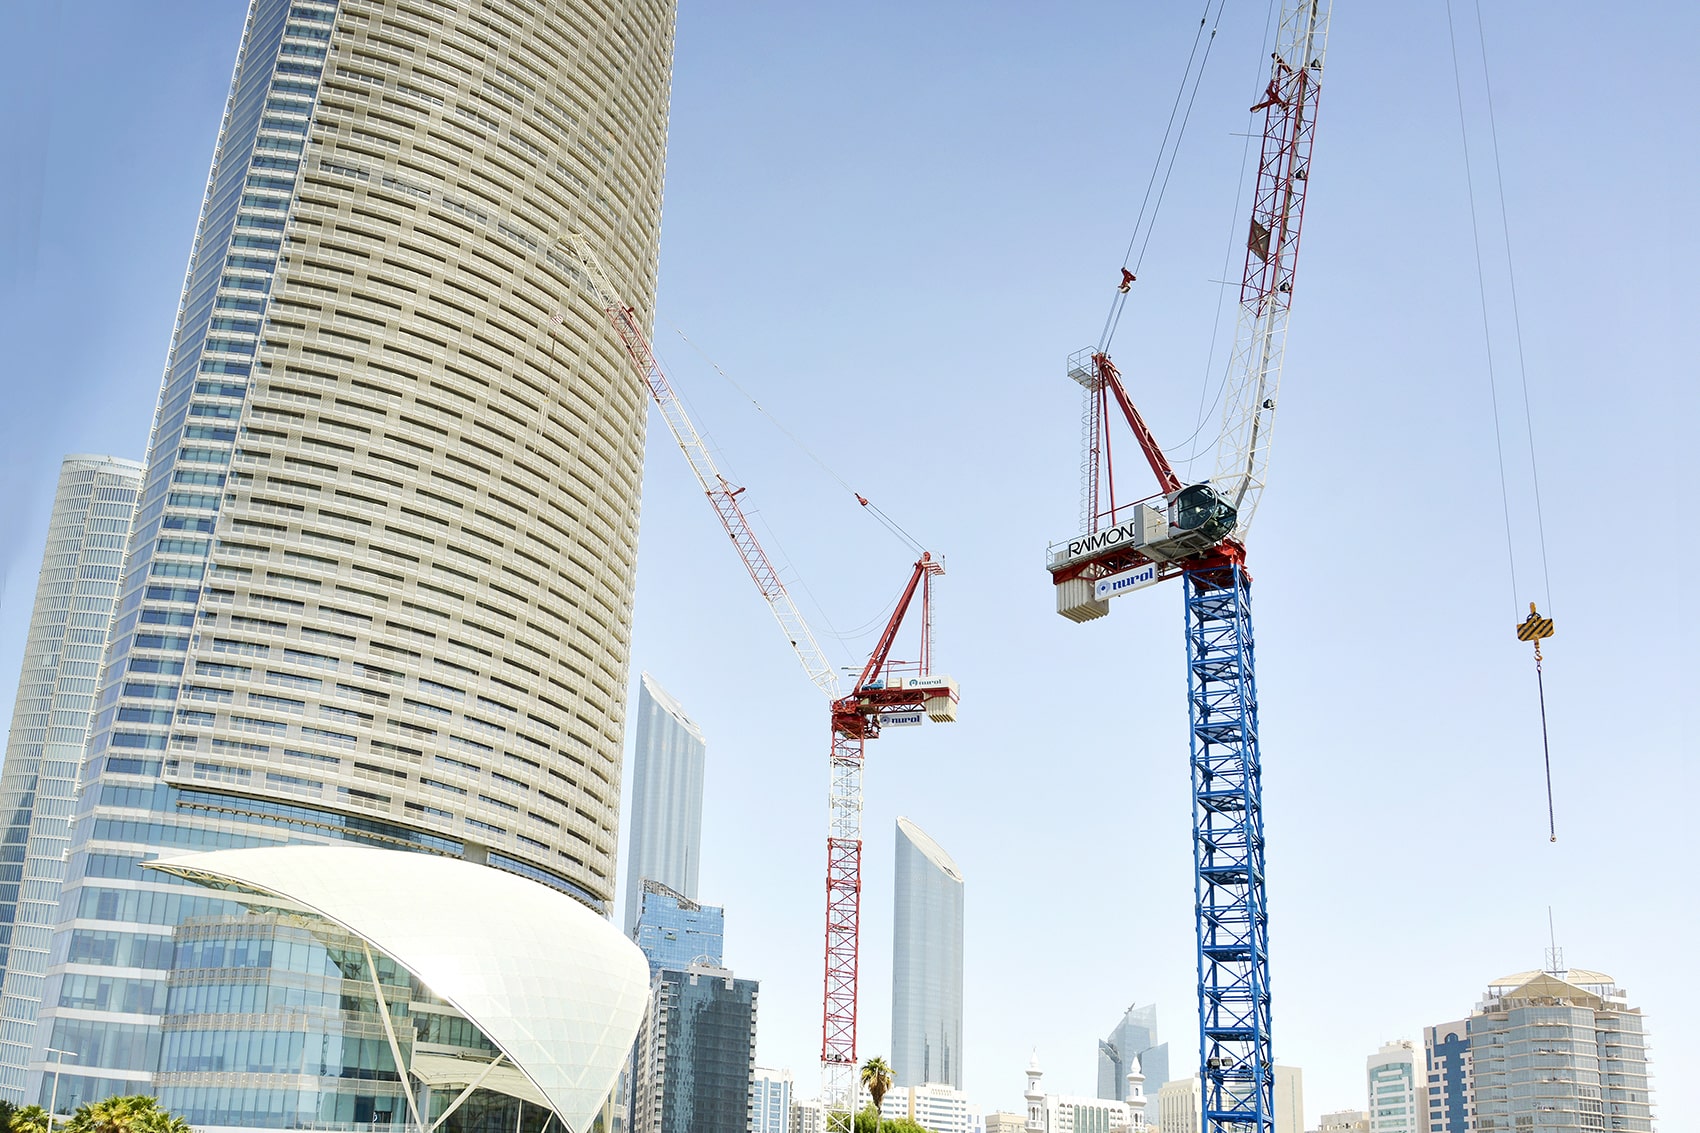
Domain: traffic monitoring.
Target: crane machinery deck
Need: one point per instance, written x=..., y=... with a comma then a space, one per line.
x=1197, y=532
x=887, y=692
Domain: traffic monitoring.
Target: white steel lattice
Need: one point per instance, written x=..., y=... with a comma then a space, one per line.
x=1289, y=103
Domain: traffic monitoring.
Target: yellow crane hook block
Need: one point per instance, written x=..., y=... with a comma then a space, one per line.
x=1534, y=627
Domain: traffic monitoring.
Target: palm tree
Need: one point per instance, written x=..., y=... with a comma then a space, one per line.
x=29, y=1119
x=876, y=1076
x=133, y=1113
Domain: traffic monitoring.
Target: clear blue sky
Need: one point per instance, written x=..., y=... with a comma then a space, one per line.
x=891, y=222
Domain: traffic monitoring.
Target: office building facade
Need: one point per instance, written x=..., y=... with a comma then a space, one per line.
x=926, y=962
x=770, y=1100
x=75, y=594
x=1559, y=1050
x=1398, y=1089
x=1179, y=1109
x=664, y=819
x=379, y=581
x=673, y=931
x=1134, y=1038
x=935, y=1108
x=696, y=1053
x=1446, y=1055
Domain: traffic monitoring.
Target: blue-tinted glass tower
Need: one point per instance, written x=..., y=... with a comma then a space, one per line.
x=696, y=1053
x=675, y=932
x=74, y=598
x=926, y=962
x=1135, y=1036
x=665, y=817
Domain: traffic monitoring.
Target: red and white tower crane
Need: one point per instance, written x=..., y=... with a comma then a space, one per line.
x=887, y=692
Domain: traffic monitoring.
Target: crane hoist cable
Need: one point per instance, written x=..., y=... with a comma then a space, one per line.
x=1535, y=627
x=1129, y=275
x=873, y=509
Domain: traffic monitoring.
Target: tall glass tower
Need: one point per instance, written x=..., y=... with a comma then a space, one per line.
x=926, y=963
x=666, y=810
x=74, y=597
x=379, y=583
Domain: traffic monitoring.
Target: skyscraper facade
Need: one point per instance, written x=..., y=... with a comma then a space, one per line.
x=665, y=815
x=1559, y=1050
x=696, y=1053
x=1133, y=1037
x=1446, y=1054
x=926, y=962
x=770, y=1100
x=1398, y=1089
x=673, y=930
x=379, y=583
x=74, y=598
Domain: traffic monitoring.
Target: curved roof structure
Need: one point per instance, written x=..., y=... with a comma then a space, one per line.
x=934, y=852
x=555, y=987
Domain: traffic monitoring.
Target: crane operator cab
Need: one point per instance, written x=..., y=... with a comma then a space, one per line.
x=1199, y=519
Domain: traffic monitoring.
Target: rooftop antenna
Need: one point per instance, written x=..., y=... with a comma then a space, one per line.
x=1555, y=954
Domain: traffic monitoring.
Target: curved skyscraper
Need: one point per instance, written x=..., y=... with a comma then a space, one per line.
x=665, y=818
x=926, y=962
x=379, y=584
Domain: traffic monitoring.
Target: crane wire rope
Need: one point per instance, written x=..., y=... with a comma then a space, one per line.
x=885, y=520
x=1530, y=629
x=1516, y=311
x=1119, y=301
x=1234, y=241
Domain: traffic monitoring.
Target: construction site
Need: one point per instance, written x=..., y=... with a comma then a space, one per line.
x=994, y=372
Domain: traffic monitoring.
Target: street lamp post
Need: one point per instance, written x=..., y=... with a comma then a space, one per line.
x=53, y=1102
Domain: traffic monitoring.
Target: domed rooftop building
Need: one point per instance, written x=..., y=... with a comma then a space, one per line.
x=1559, y=1049
x=439, y=995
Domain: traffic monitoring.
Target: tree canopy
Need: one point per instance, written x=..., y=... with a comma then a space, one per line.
x=131, y=1113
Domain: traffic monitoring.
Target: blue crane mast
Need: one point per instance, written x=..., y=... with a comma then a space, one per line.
x=1197, y=532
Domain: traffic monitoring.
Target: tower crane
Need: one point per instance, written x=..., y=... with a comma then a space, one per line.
x=1197, y=532
x=887, y=692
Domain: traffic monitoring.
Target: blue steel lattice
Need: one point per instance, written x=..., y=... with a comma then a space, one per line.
x=1236, y=1063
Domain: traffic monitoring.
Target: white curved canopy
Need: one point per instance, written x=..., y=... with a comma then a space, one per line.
x=554, y=986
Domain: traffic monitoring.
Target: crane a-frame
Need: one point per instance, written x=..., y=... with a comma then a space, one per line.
x=1197, y=531
x=887, y=693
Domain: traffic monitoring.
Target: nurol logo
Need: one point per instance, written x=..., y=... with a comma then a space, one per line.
x=1125, y=581
x=1102, y=540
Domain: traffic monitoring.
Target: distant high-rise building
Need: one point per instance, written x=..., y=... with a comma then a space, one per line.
x=926, y=962
x=1134, y=1037
x=1001, y=1121
x=1559, y=1050
x=74, y=598
x=770, y=1100
x=808, y=1116
x=1179, y=1109
x=665, y=815
x=1344, y=1121
x=1446, y=1055
x=696, y=1053
x=674, y=931
x=1397, y=1089
x=379, y=584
